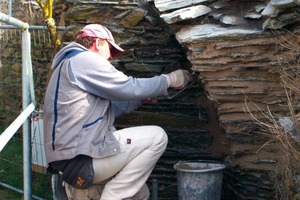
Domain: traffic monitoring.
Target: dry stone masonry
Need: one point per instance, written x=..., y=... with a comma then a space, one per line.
x=238, y=48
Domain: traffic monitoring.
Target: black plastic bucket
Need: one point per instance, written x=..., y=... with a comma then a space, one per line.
x=199, y=180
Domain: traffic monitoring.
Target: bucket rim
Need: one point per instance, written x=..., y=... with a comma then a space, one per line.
x=220, y=166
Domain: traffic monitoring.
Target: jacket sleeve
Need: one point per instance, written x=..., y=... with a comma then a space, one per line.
x=96, y=75
x=124, y=107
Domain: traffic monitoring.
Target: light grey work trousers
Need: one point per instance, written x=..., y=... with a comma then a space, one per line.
x=127, y=172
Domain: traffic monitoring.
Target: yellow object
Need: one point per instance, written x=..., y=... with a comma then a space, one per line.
x=50, y=23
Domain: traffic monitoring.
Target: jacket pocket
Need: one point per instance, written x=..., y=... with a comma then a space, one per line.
x=92, y=122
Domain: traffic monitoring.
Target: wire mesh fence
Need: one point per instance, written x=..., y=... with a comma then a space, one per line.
x=11, y=70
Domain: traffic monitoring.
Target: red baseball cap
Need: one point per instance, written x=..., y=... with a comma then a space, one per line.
x=99, y=31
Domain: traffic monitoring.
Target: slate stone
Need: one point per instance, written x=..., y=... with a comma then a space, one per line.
x=282, y=3
x=202, y=32
x=230, y=20
x=270, y=10
x=253, y=15
x=166, y=5
x=186, y=14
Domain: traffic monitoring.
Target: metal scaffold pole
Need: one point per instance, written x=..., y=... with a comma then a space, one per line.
x=26, y=60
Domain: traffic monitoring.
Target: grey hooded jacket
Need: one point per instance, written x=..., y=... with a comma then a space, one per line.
x=83, y=96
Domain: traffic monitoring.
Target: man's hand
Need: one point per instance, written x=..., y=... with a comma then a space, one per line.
x=179, y=78
x=149, y=101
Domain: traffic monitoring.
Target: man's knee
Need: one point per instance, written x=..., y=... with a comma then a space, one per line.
x=162, y=135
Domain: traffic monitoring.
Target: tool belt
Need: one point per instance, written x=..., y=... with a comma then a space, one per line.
x=77, y=172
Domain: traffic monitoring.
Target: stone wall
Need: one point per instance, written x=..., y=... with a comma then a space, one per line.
x=239, y=47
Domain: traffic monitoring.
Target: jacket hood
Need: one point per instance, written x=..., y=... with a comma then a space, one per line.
x=64, y=51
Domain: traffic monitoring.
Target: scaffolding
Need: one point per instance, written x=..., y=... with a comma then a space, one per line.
x=28, y=103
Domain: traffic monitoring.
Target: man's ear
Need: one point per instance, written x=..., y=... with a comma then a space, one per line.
x=97, y=44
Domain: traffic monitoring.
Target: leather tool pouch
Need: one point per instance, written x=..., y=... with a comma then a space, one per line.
x=77, y=172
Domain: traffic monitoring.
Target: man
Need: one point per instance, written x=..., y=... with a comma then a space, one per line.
x=83, y=97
